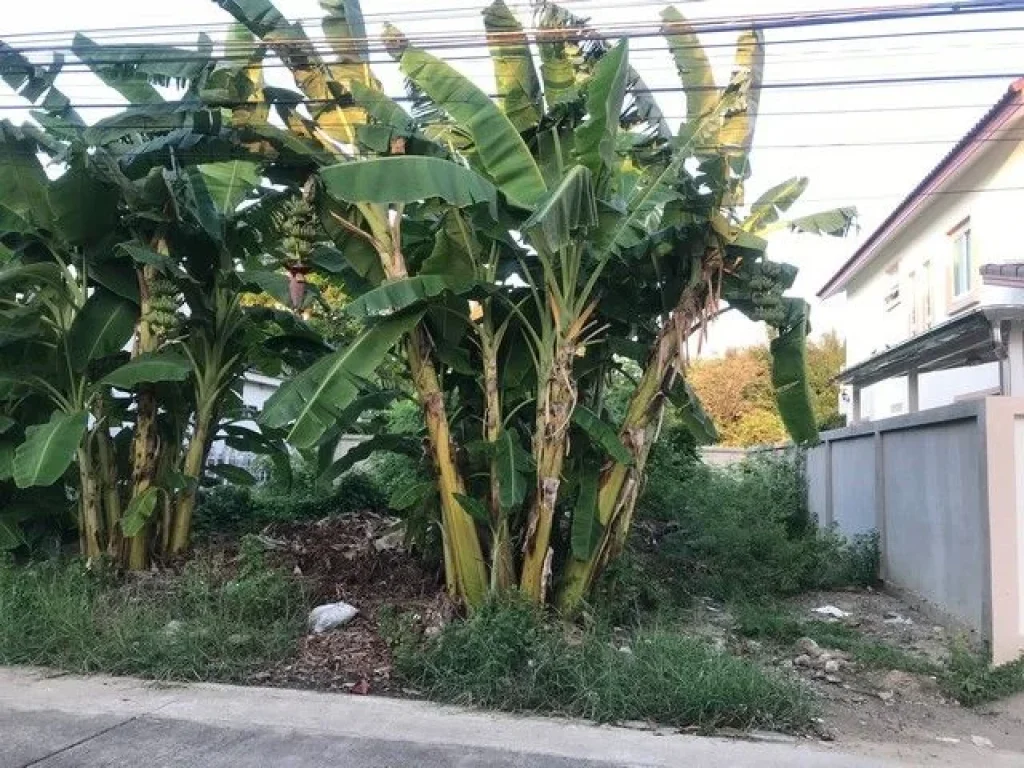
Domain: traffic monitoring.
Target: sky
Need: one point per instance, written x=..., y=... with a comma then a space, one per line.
x=865, y=146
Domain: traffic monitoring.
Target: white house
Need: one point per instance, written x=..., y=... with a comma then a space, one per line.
x=924, y=328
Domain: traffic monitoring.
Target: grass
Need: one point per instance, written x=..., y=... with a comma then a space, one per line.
x=210, y=624
x=507, y=656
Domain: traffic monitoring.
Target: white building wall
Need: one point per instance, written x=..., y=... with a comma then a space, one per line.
x=989, y=194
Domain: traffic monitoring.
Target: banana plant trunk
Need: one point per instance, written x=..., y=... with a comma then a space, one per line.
x=463, y=554
x=502, y=565
x=90, y=507
x=555, y=403
x=620, y=484
x=145, y=443
x=465, y=568
x=184, y=507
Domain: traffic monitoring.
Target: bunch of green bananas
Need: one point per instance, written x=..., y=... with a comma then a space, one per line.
x=298, y=224
x=164, y=302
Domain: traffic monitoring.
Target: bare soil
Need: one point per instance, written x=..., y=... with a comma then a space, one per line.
x=897, y=707
x=359, y=561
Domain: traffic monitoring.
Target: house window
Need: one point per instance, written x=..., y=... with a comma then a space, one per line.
x=962, y=266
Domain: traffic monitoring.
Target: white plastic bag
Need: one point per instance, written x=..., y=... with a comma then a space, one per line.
x=324, y=618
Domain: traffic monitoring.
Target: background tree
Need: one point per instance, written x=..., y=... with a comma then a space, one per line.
x=736, y=391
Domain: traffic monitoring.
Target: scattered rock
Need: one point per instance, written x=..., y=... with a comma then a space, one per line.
x=981, y=741
x=898, y=680
x=808, y=646
x=822, y=731
x=803, y=660
x=432, y=631
x=832, y=667
x=947, y=739
x=390, y=541
x=887, y=696
x=831, y=611
x=326, y=617
x=239, y=639
x=173, y=628
x=361, y=688
x=626, y=649
x=895, y=618
x=834, y=679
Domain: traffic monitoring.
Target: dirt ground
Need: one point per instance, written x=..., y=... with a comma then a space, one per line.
x=897, y=707
x=363, y=563
x=360, y=562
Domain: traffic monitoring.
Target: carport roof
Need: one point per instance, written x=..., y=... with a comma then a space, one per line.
x=971, y=338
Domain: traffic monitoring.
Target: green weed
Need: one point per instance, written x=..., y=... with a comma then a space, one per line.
x=506, y=656
x=970, y=678
x=208, y=624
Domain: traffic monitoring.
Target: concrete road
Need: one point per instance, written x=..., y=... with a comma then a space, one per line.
x=64, y=721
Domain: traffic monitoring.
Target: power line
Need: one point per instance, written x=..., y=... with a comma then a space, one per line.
x=701, y=26
x=786, y=85
x=644, y=54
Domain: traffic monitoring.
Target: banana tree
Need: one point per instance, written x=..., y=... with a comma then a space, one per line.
x=518, y=250
x=149, y=241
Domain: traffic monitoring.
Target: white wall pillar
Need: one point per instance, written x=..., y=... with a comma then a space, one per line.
x=913, y=400
x=1011, y=370
x=855, y=415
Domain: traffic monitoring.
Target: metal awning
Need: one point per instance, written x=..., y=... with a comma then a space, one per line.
x=972, y=338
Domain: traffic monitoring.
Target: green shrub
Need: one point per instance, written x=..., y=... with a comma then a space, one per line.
x=211, y=623
x=236, y=510
x=740, y=533
x=506, y=656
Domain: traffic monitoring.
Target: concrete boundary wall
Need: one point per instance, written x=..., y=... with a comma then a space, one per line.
x=944, y=489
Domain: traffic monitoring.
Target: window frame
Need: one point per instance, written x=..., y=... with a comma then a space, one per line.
x=961, y=233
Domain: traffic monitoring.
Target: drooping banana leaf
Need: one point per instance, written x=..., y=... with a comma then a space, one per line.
x=238, y=79
x=691, y=412
x=149, y=368
x=102, y=327
x=131, y=70
x=789, y=374
x=770, y=206
x=602, y=433
x=309, y=402
x=49, y=449
x=513, y=464
x=501, y=150
x=23, y=182
x=34, y=83
x=516, y=79
x=407, y=179
x=837, y=222
x=401, y=294
x=559, y=34
x=606, y=91
x=587, y=530
x=404, y=445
